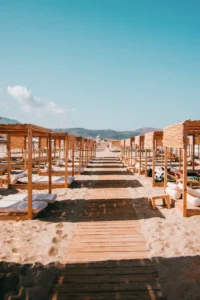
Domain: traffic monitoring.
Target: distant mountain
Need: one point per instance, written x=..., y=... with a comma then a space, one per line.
x=107, y=133
x=4, y=120
x=103, y=133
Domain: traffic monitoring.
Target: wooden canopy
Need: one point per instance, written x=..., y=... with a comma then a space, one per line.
x=175, y=136
x=22, y=130
x=153, y=139
x=139, y=140
x=25, y=130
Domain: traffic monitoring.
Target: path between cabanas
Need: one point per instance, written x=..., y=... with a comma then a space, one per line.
x=108, y=256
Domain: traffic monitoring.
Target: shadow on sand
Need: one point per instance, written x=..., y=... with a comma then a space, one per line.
x=176, y=278
x=93, y=210
x=98, y=184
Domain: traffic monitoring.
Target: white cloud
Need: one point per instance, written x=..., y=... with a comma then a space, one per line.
x=31, y=103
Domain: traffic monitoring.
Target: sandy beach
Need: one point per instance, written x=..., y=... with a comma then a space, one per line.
x=31, y=252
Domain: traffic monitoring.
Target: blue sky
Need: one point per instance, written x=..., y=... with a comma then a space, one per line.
x=119, y=64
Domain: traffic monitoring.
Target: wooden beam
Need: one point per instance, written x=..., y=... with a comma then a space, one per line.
x=9, y=158
x=30, y=216
x=193, y=151
x=50, y=164
x=73, y=150
x=66, y=160
x=153, y=162
x=165, y=167
x=145, y=163
x=79, y=165
x=185, y=181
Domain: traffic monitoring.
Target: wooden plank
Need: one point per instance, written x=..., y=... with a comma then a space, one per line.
x=30, y=173
x=50, y=163
x=122, y=295
x=66, y=160
x=9, y=158
x=104, y=278
x=107, y=287
x=185, y=181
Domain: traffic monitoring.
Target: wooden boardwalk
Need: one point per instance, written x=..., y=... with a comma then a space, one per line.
x=108, y=256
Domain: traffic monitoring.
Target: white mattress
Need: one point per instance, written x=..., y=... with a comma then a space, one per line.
x=193, y=200
x=16, y=206
x=45, y=179
x=49, y=198
x=61, y=169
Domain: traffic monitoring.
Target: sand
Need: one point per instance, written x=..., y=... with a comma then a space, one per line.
x=174, y=241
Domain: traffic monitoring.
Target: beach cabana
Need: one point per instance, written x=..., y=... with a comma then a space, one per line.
x=153, y=142
x=176, y=136
x=25, y=131
x=115, y=145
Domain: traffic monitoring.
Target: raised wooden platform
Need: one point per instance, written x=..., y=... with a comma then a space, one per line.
x=107, y=257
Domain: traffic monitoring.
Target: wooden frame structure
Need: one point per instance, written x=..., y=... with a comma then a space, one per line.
x=116, y=144
x=152, y=141
x=30, y=131
x=176, y=136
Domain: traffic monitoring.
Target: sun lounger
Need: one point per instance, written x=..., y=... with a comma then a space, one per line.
x=49, y=198
x=60, y=170
x=45, y=179
x=16, y=206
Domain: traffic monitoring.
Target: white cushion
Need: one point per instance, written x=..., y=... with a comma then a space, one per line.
x=15, y=197
x=193, y=192
x=14, y=178
x=174, y=186
x=60, y=162
x=21, y=206
x=173, y=193
x=49, y=198
x=193, y=200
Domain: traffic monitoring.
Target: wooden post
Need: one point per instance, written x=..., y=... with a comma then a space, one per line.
x=185, y=181
x=59, y=149
x=193, y=151
x=39, y=159
x=145, y=163
x=25, y=160
x=153, y=164
x=170, y=153
x=66, y=160
x=82, y=153
x=79, y=165
x=73, y=149
x=165, y=167
x=180, y=158
x=140, y=158
x=30, y=134
x=131, y=153
x=9, y=158
x=50, y=163
x=85, y=154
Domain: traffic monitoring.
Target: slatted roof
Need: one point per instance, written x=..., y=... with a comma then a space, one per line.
x=176, y=136
x=153, y=138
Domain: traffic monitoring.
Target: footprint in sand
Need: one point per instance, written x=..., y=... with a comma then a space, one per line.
x=59, y=225
x=14, y=250
x=59, y=232
x=54, y=240
x=53, y=251
x=9, y=241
